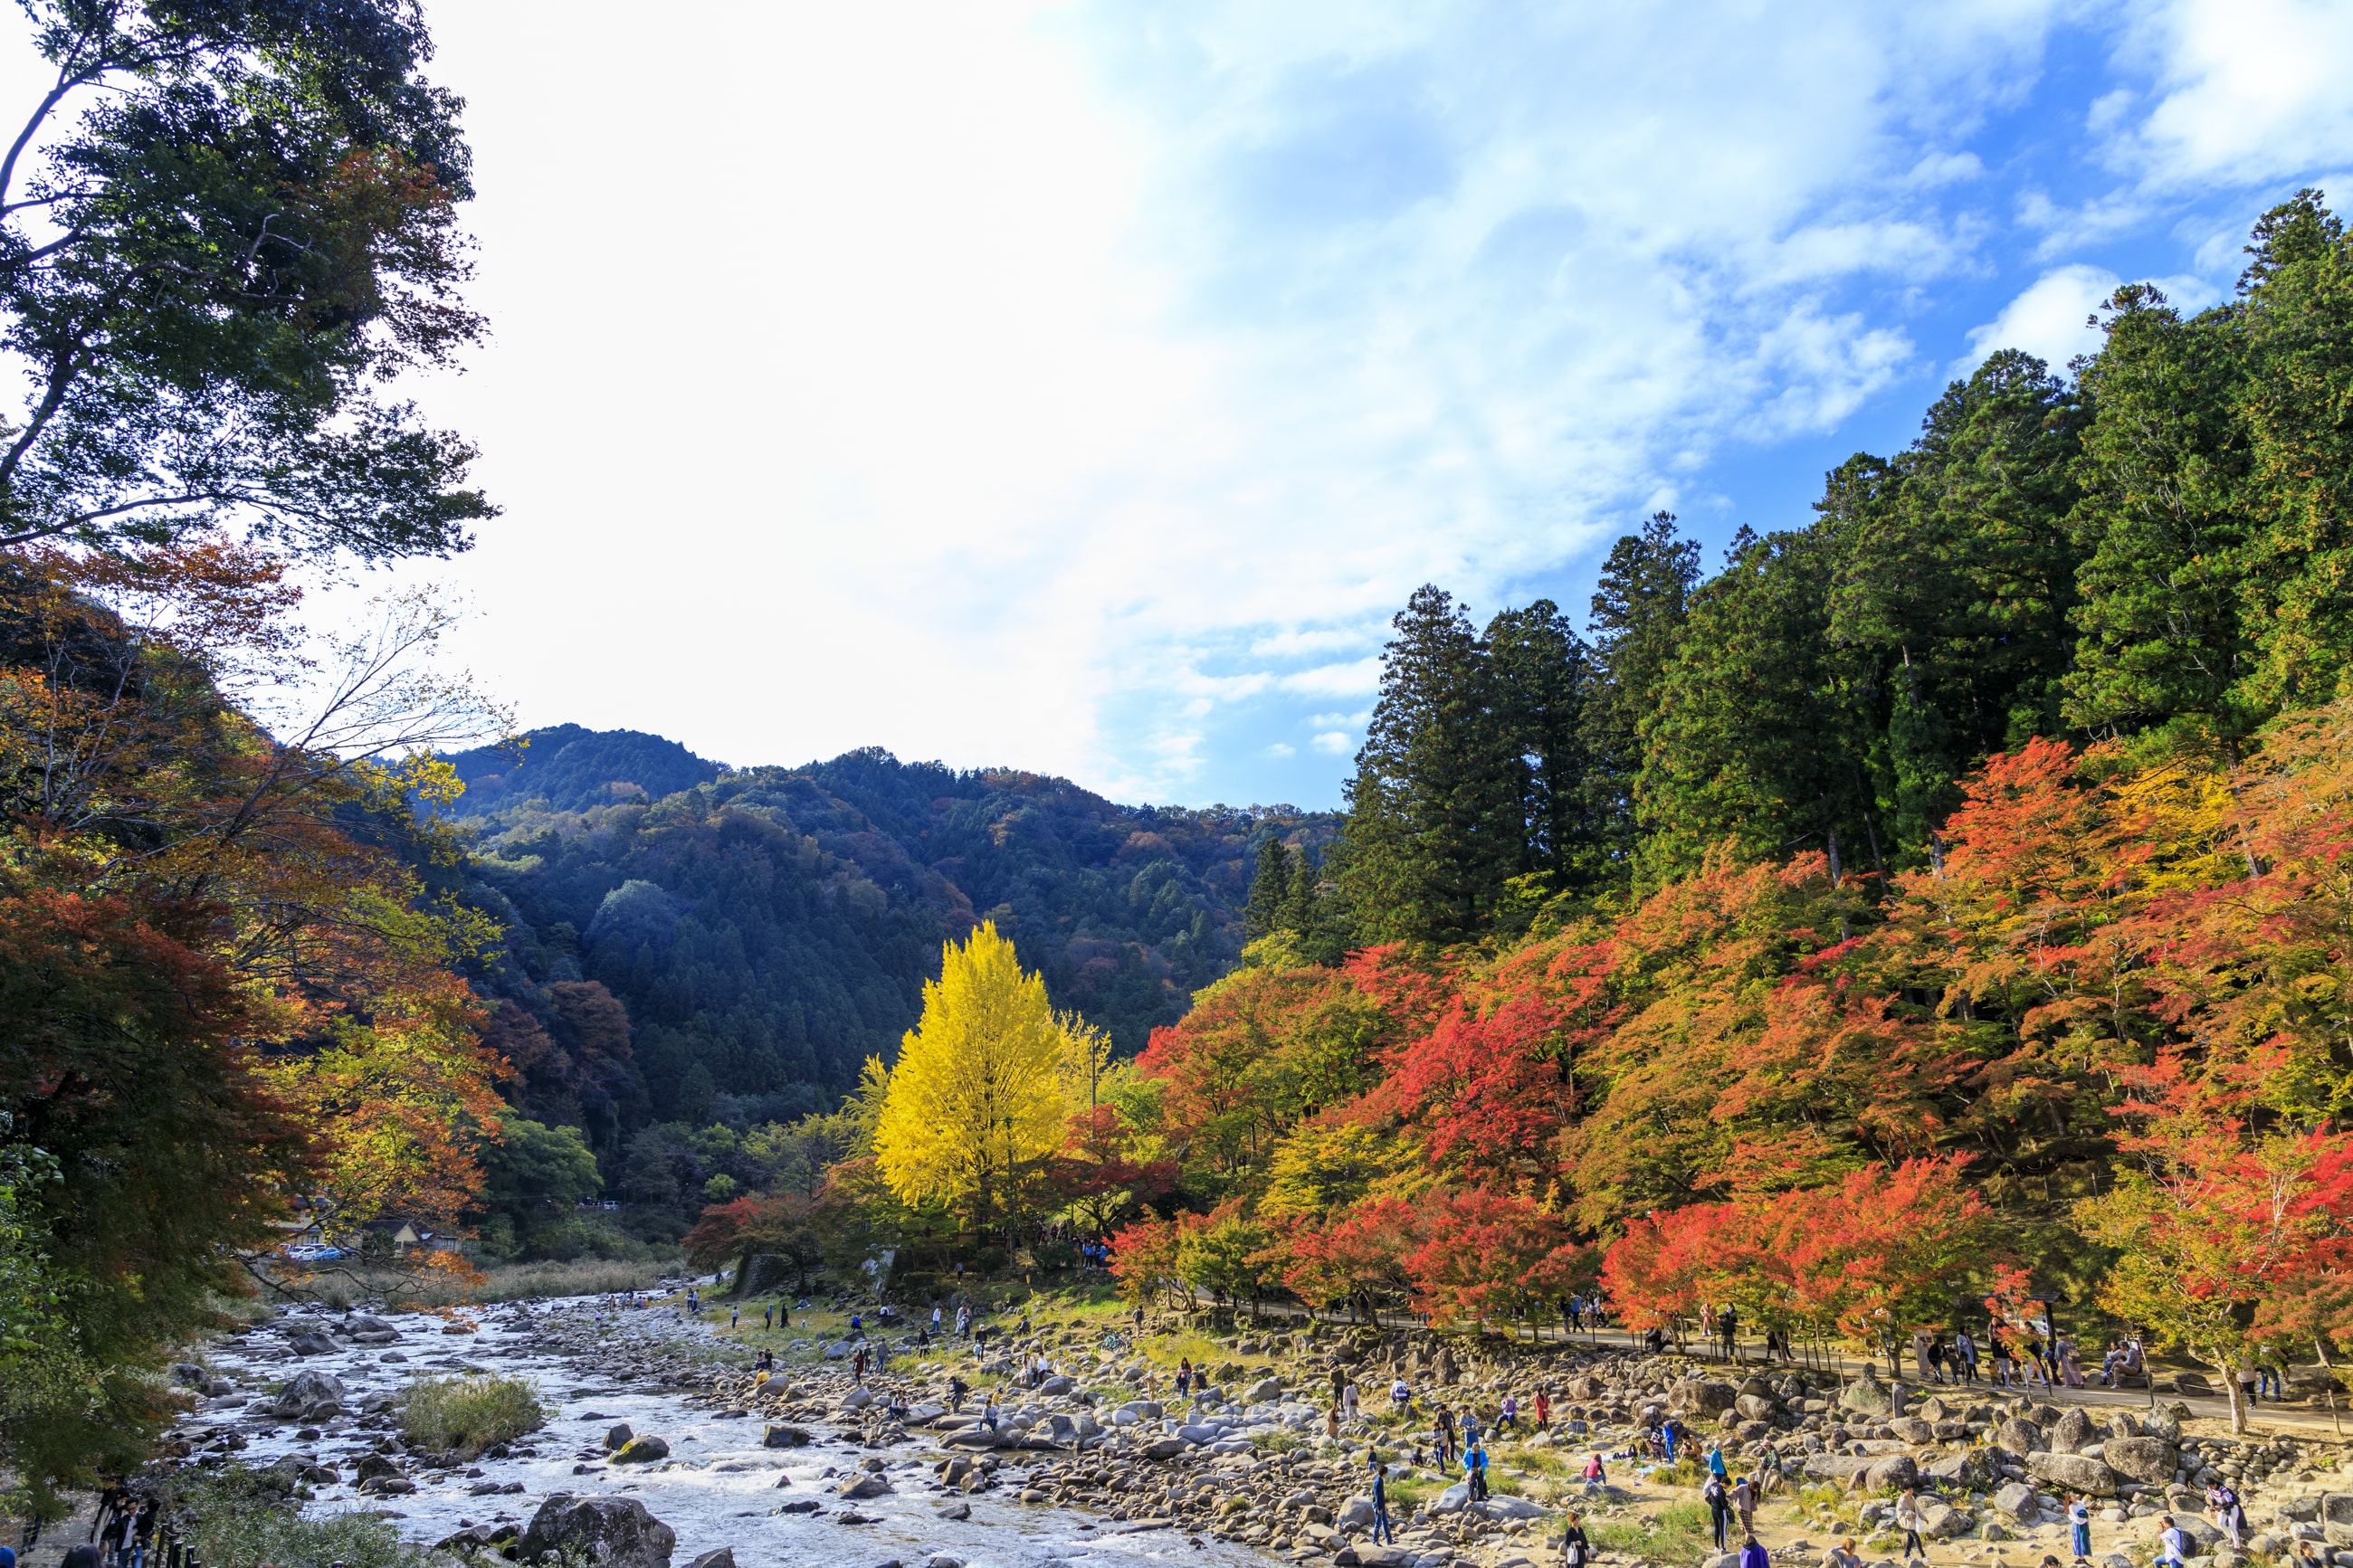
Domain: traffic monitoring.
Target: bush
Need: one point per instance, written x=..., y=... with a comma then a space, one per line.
x=1678, y=1533
x=464, y=1415
x=237, y=1519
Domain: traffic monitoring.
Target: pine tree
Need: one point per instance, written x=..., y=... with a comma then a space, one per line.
x=1270, y=902
x=1434, y=827
x=1543, y=679
x=1639, y=608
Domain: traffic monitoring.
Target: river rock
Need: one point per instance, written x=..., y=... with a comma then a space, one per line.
x=2016, y=1498
x=1509, y=1508
x=1891, y=1472
x=784, y=1434
x=2071, y=1430
x=616, y=1531
x=642, y=1451
x=2021, y=1436
x=1965, y=1470
x=309, y=1396
x=862, y=1485
x=723, y=1558
x=2071, y=1472
x=1870, y=1396
x=1357, y=1514
x=1756, y=1407
x=311, y=1341
x=1165, y=1448
x=616, y=1435
x=2151, y=1461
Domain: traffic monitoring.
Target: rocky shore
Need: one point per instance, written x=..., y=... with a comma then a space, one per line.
x=1244, y=1462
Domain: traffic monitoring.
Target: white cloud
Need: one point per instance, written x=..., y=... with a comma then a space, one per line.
x=1335, y=743
x=2048, y=320
x=1278, y=749
x=2248, y=91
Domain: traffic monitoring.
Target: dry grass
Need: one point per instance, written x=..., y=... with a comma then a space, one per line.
x=464, y=1415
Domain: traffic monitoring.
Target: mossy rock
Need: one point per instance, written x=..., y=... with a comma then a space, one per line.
x=643, y=1450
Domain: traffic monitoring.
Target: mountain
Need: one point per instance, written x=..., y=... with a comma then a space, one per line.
x=686, y=941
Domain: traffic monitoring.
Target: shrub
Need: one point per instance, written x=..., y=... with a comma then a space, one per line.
x=1678, y=1533
x=464, y=1415
x=236, y=1519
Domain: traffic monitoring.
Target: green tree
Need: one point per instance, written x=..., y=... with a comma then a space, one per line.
x=1639, y=606
x=1542, y=680
x=537, y=1175
x=1270, y=900
x=248, y=228
x=1434, y=825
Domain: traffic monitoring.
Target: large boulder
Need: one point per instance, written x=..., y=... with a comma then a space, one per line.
x=2149, y=1460
x=1842, y=1469
x=2021, y=1436
x=862, y=1484
x=1891, y=1472
x=1357, y=1514
x=616, y=1532
x=1165, y=1448
x=1913, y=1430
x=1755, y=1407
x=309, y=1396
x=1702, y=1399
x=1509, y=1508
x=1870, y=1396
x=2016, y=1500
x=784, y=1434
x=2071, y=1430
x=1964, y=1471
x=642, y=1451
x=2071, y=1472
x=311, y=1342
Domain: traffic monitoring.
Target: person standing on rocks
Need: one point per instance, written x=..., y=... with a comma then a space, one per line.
x=1382, y=1532
x=1907, y=1520
x=1349, y=1404
x=1966, y=1349
x=2079, y=1527
x=1719, y=1509
x=1445, y=1435
x=1744, y=1504
x=1576, y=1551
x=1475, y=1469
x=1543, y=1411
x=2229, y=1516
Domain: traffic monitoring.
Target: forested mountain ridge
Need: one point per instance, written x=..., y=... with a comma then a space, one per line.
x=767, y=929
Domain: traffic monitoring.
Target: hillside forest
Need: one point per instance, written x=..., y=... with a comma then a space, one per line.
x=1937, y=909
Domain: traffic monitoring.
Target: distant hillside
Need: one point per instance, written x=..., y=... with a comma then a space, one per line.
x=767, y=930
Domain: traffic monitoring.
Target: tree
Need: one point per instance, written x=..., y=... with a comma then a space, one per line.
x=2208, y=1213
x=1358, y=1254
x=1144, y=1259
x=1270, y=891
x=535, y=1174
x=1543, y=682
x=1434, y=809
x=1637, y=612
x=977, y=1102
x=1491, y=1254
x=249, y=226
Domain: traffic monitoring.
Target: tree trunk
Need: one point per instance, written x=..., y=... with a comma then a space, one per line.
x=2231, y=1392
x=2320, y=1348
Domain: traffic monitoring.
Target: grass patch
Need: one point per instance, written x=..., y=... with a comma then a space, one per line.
x=238, y=1522
x=1678, y=1533
x=464, y=1415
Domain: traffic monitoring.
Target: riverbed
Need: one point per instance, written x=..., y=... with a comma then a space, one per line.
x=719, y=1488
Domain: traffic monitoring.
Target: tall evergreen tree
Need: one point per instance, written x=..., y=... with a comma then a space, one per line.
x=1639, y=607
x=1270, y=909
x=1434, y=827
x=1542, y=680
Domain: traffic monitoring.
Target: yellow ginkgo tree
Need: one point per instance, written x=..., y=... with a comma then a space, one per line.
x=979, y=1101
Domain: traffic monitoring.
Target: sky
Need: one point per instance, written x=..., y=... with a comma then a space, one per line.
x=1081, y=387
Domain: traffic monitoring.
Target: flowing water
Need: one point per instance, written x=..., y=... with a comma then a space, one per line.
x=719, y=1488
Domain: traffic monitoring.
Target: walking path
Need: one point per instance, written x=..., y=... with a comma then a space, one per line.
x=2265, y=1417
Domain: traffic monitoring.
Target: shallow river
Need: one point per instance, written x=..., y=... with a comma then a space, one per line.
x=720, y=1487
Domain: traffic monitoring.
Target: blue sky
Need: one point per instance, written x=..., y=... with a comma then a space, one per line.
x=1081, y=387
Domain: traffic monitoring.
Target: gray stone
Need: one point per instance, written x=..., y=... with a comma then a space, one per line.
x=1165, y=1448
x=309, y=1396
x=784, y=1434
x=1357, y=1514
x=2016, y=1500
x=1966, y=1470
x=1264, y=1389
x=1056, y=1385
x=642, y=1451
x=1870, y=1396
x=311, y=1341
x=2021, y=1436
x=1756, y=1407
x=2071, y=1430
x=861, y=1485
x=616, y=1531
x=2071, y=1472
x=2150, y=1460
x=1891, y=1472
x=1511, y=1508
x=723, y=1558
x=616, y=1435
